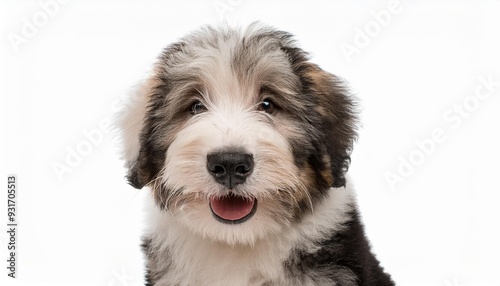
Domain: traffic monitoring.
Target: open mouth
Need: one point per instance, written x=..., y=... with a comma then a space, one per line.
x=233, y=209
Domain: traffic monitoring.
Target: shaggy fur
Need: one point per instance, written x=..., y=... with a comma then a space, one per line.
x=251, y=99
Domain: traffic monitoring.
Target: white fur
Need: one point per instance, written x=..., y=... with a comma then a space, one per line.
x=198, y=260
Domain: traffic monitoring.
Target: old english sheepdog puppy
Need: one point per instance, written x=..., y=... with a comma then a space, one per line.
x=244, y=145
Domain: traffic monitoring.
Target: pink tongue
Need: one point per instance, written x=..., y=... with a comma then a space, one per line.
x=232, y=207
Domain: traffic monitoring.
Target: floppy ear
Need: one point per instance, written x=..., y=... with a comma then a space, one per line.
x=143, y=123
x=135, y=128
x=337, y=109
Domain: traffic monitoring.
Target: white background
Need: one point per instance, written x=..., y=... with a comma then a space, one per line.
x=438, y=225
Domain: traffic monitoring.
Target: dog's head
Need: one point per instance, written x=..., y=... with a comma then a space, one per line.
x=240, y=135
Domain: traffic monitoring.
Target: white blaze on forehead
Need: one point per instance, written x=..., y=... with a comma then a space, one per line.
x=233, y=66
x=222, y=88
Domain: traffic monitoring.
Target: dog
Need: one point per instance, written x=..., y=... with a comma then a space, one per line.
x=245, y=146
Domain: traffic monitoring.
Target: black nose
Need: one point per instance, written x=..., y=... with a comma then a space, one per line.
x=230, y=168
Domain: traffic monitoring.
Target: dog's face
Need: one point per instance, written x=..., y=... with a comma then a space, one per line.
x=241, y=135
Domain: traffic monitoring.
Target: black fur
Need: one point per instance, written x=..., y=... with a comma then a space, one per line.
x=345, y=252
x=158, y=262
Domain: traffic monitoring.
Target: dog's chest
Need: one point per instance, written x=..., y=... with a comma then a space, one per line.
x=205, y=263
x=176, y=256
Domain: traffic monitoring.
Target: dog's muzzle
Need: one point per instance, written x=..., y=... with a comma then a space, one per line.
x=230, y=169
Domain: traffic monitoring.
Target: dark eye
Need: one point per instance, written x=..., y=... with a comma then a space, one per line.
x=267, y=105
x=198, y=107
